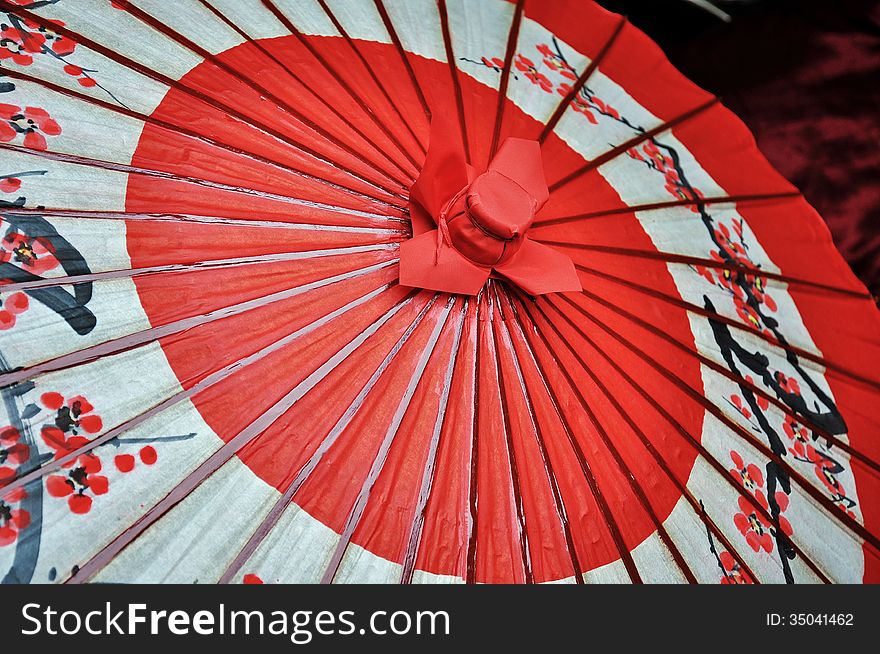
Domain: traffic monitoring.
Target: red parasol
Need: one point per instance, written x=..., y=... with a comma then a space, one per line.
x=411, y=291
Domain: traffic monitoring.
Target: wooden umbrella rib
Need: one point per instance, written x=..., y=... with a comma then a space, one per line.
x=176, y=129
x=398, y=45
x=585, y=405
x=593, y=484
x=849, y=523
x=739, y=380
x=646, y=443
x=453, y=73
x=381, y=456
x=507, y=429
x=680, y=429
x=604, y=508
x=206, y=264
x=270, y=520
x=210, y=465
x=668, y=204
x=642, y=496
x=372, y=73
x=831, y=366
x=473, y=491
x=582, y=80
x=224, y=221
x=429, y=472
x=312, y=93
x=278, y=102
x=358, y=100
x=672, y=257
x=203, y=384
x=512, y=38
x=179, y=86
x=616, y=151
x=546, y=461
x=139, y=170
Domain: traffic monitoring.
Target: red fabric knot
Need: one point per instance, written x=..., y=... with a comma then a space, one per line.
x=468, y=227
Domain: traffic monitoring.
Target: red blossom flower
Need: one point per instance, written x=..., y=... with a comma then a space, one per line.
x=80, y=479
x=577, y=102
x=124, y=462
x=527, y=67
x=11, y=450
x=750, y=475
x=763, y=402
x=737, y=401
x=753, y=526
x=148, y=455
x=10, y=184
x=733, y=574
x=10, y=308
x=747, y=313
x=12, y=522
x=496, y=63
x=72, y=416
x=604, y=108
x=20, y=45
x=33, y=122
x=788, y=384
x=60, y=45
x=251, y=578
x=30, y=254
x=705, y=273
x=823, y=470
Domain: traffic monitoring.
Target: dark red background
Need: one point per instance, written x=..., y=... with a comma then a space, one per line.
x=804, y=75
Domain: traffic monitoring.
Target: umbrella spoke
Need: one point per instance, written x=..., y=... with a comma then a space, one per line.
x=207, y=382
x=639, y=493
x=643, y=136
x=671, y=257
x=230, y=448
x=582, y=80
x=584, y=465
x=177, y=129
x=48, y=282
x=137, y=170
x=308, y=89
x=358, y=100
x=189, y=91
x=222, y=221
x=395, y=39
x=494, y=312
x=721, y=199
x=430, y=470
x=833, y=510
x=354, y=516
x=553, y=483
x=512, y=37
x=735, y=377
x=473, y=495
x=304, y=473
x=710, y=524
x=372, y=73
x=737, y=324
x=281, y=104
x=679, y=428
x=453, y=72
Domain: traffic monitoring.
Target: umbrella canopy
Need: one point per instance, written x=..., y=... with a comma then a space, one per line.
x=227, y=355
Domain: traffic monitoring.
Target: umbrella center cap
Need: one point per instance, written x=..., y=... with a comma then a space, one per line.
x=493, y=215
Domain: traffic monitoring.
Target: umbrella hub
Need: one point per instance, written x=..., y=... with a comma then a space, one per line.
x=487, y=222
x=470, y=225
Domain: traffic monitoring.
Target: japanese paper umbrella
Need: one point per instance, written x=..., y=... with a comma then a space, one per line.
x=411, y=291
